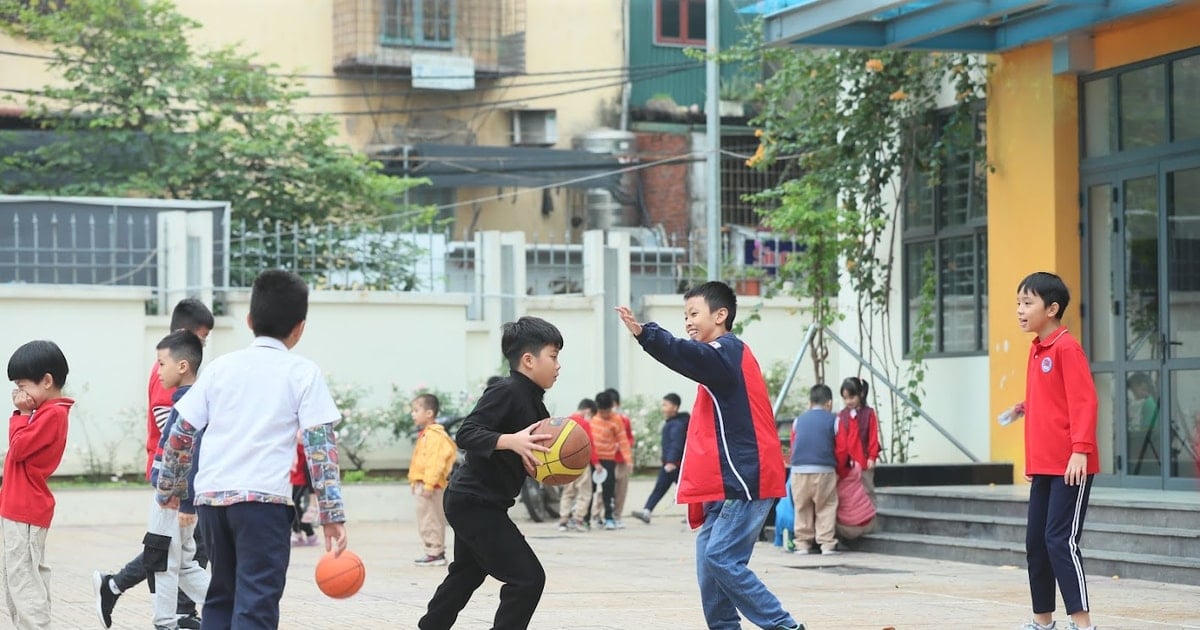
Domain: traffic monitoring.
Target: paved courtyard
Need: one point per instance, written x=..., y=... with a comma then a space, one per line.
x=641, y=577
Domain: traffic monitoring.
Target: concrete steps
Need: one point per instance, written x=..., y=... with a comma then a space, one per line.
x=1153, y=537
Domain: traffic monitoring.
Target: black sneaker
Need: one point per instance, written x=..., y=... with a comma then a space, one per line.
x=189, y=622
x=105, y=598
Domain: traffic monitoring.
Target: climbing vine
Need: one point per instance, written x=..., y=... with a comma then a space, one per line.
x=855, y=128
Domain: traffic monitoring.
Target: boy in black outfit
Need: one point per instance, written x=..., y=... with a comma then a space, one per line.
x=499, y=444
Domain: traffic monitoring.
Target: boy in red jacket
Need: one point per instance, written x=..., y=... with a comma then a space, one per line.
x=1060, y=451
x=732, y=469
x=37, y=437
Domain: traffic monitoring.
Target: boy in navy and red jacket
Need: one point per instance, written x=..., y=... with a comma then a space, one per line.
x=1061, y=456
x=37, y=437
x=732, y=469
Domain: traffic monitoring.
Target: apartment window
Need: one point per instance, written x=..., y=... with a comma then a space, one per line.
x=426, y=23
x=679, y=22
x=945, y=222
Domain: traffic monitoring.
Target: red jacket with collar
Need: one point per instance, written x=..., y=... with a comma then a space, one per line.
x=35, y=448
x=1060, y=406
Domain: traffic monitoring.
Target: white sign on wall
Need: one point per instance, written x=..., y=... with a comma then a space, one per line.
x=434, y=71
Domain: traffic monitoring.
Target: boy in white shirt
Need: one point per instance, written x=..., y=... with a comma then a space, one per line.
x=250, y=404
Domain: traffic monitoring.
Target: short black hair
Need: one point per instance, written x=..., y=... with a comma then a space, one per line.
x=191, y=314
x=587, y=403
x=430, y=401
x=604, y=401
x=718, y=296
x=528, y=334
x=820, y=394
x=184, y=345
x=36, y=359
x=615, y=394
x=674, y=399
x=1050, y=288
x=278, y=303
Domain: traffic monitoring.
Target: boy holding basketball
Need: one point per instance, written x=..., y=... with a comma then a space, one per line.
x=250, y=404
x=499, y=442
x=432, y=460
x=732, y=468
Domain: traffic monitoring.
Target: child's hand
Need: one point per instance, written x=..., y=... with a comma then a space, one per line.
x=335, y=538
x=23, y=402
x=524, y=443
x=186, y=520
x=1076, y=469
x=171, y=504
x=627, y=318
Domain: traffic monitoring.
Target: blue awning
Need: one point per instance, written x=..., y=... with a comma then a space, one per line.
x=951, y=25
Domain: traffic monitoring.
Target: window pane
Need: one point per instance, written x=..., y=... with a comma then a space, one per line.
x=1098, y=117
x=958, y=294
x=1141, y=268
x=696, y=19
x=1143, y=108
x=956, y=190
x=978, y=209
x=981, y=260
x=918, y=204
x=1185, y=93
x=669, y=26
x=914, y=280
x=1102, y=325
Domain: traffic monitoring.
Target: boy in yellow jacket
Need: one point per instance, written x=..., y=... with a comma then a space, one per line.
x=432, y=460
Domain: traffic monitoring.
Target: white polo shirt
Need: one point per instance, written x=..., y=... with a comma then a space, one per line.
x=251, y=403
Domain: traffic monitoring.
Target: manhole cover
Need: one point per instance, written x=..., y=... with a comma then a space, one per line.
x=843, y=569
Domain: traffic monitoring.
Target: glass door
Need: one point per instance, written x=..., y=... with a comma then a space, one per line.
x=1143, y=321
x=1177, y=431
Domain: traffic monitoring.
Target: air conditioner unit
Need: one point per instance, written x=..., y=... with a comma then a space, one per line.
x=534, y=127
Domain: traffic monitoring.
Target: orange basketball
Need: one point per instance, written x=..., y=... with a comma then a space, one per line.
x=342, y=576
x=570, y=451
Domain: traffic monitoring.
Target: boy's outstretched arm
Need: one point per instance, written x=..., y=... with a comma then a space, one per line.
x=696, y=360
x=320, y=448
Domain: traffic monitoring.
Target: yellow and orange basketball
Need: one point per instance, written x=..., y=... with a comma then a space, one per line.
x=570, y=451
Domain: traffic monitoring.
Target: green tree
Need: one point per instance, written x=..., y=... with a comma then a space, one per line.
x=140, y=111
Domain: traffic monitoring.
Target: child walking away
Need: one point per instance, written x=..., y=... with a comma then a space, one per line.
x=303, y=534
x=1061, y=459
x=674, y=431
x=732, y=465
x=250, y=404
x=432, y=460
x=858, y=430
x=170, y=544
x=499, y=442
x=37, y=437
x=814, y=473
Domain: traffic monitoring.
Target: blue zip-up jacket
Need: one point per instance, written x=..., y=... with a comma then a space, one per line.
x=674, y=434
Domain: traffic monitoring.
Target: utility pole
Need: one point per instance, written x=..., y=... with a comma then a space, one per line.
x=712, y=116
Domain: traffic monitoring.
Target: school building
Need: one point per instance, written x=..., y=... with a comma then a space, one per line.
x=1093, y=172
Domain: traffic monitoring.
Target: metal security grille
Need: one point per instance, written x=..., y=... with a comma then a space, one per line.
x=739, y=180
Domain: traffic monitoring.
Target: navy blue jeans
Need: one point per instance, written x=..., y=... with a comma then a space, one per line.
x=661, y=485
x=249, y=546
x=1052, y=535
x=727, y=585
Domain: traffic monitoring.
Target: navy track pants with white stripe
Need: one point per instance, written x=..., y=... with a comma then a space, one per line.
x=1056, y=513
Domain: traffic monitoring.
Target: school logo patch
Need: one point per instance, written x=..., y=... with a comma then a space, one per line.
x=1047, y=365
x=714, y=343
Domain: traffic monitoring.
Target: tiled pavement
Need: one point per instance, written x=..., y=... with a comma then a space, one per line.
x=641, y=577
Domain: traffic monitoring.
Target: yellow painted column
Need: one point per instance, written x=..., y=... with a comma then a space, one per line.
x=1033, y=216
